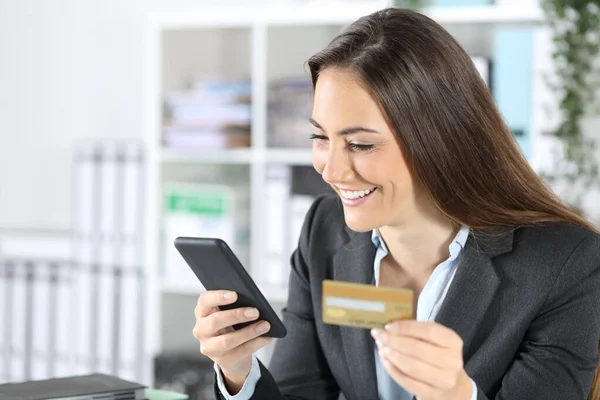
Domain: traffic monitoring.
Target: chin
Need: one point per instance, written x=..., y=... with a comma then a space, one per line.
x=358, y=223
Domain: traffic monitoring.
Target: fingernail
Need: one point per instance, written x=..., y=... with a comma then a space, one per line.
x=262, y=327
x=379, y=344
x=229, y=296
x=375, y=333
x=251, y=313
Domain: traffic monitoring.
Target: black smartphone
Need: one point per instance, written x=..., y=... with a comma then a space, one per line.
x=218, y=268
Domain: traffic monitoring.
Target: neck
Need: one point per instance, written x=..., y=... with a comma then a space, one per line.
x=418, y=245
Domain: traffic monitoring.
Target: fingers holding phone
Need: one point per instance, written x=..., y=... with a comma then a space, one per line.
x=228, y=327
x=230, y=349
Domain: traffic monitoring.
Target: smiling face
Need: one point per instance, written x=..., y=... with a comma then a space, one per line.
x=356, y=152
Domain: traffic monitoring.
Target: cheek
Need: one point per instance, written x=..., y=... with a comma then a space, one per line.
x=373, y=169
x=386, y=171
x=400, y=181
x=319, y=159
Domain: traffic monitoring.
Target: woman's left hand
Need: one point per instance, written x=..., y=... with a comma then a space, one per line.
x=425, y=358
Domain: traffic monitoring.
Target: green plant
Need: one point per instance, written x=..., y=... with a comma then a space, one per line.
x=412, y=4
x=575, y=27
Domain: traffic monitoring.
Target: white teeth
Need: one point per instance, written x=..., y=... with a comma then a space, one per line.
x=355, y=194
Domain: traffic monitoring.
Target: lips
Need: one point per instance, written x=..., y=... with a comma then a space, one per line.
x=362, y=197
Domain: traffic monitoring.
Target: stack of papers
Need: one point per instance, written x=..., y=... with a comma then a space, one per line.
x=88, y=387
x=214, y=114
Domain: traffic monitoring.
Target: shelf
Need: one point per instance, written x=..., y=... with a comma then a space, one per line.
x=290, y=156
x=238, y=156
x=339, y=13
x=208, y=156
x=232, y=16
x=252, y=42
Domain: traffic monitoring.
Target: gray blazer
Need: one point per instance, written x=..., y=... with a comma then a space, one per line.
x=525, y=302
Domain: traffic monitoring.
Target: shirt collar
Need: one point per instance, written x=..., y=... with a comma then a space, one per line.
x=455, y=246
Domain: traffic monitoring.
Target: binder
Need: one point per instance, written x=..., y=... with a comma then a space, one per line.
x=129, y=255
x=29, y=305
x=105, y=268
x=73, y=304
x=299, y=205
x=108, y=254
x=85, y=201
x=48, y=342
x=7, y=328
x=276, y=220
x=62, y=356
x=196, y=210
x=17, y=337
x=3, y=317
x=41, y=309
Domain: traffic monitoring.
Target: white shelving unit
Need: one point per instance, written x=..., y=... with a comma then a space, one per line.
x=278, y=40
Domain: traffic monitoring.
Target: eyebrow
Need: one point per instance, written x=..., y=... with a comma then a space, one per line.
x=345, y=131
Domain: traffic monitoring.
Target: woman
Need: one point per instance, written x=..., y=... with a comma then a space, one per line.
x=432, y=194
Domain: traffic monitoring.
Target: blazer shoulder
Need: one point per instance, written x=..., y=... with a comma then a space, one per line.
x=564, y=235
x=554, y=244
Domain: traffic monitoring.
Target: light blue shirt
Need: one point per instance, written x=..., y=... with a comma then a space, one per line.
x=428, y=305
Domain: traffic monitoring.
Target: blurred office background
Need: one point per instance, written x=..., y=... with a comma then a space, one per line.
x=124, y=124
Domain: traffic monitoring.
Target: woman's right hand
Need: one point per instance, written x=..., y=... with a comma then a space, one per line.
x=230, y=349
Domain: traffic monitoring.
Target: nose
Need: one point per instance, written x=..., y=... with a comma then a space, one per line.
x=336, y=166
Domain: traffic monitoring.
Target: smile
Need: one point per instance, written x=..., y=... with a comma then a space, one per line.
x=356, y=194
x=355, y=197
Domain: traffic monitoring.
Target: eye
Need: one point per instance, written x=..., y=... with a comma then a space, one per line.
x=361, y=147
x=314, y=136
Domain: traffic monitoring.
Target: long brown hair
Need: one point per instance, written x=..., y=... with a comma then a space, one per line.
x=446, y=122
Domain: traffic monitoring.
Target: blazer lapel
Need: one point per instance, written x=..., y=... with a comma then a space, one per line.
x=475, y=284
x=354, y=263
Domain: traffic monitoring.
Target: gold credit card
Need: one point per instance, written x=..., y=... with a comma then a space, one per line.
x=364, y=306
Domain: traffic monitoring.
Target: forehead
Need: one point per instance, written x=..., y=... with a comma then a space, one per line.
x=341, y=100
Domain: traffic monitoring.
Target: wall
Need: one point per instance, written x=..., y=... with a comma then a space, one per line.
x=70, y=70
